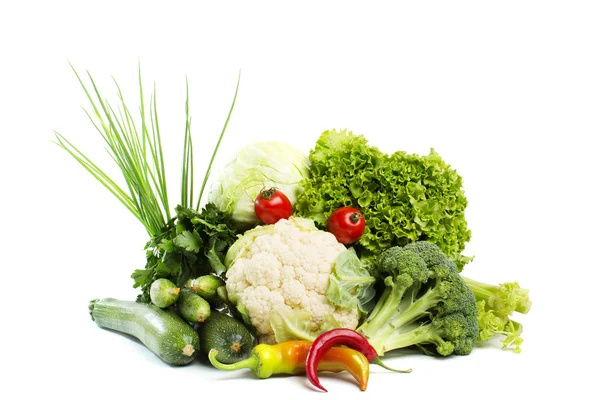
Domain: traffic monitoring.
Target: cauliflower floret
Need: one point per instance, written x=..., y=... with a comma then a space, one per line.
x=285, y=265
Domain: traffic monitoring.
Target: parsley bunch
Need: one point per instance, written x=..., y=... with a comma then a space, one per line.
x=193, y=244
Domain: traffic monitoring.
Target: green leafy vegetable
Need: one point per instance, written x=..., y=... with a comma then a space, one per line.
x=404, y=197
x=188, y=241
x=194, y=243
x=255, y=167
x=292, y=324
x=350, y=285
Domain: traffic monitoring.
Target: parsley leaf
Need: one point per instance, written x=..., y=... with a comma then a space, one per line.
x=191, y=244
x=188, y=240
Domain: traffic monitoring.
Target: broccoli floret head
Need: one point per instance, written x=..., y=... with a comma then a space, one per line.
x=450, y=334
x=430, y=253
x=403, y=267
x=425, y=303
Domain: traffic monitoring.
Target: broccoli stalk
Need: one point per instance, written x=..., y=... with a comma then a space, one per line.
x=446, y=334
x=425, y=303
x=495, y=306
x=504, y=299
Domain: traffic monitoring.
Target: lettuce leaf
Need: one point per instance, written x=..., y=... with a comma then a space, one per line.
x=404, y=197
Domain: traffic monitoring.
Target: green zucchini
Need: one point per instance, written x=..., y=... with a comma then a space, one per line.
x=162, y=331
x=230, y=337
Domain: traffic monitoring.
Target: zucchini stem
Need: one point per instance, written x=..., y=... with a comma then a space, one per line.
x=188, y=350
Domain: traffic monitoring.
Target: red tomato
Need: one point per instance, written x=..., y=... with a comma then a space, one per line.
x=271, y=205
x=347, y=224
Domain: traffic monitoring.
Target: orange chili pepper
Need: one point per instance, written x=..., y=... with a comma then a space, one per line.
x=340, y=336
x=290, y=358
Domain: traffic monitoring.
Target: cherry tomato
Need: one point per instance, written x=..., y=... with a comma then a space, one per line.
x=347, y=224
x=271, y=205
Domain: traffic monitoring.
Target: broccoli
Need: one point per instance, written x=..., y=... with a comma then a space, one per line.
x=495, y=306
x=425, y=303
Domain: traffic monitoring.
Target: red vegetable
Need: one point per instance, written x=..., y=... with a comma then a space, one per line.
x=271, y=205
x=335, y=337
x=347, y=224
x=290, y=358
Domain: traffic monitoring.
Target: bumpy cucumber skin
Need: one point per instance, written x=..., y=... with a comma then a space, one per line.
x=206, y=286
x=220, y=331
x=162, y=331
x=163, y=293
x=192, y=307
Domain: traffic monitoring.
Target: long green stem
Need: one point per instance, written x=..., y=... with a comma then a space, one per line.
x=136, y=148
x=97, y=173
x=208, y=170
x=143, y=177
x=252, y=362
x=417, y=309
x=419, y=335
x=187, y=169
x=377, y=361
x=391, y=298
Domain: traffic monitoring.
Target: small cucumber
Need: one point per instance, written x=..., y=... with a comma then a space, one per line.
x=228, y=336
x=206, y=286
x=163, y=293
x=192, y=307
x=162, y=331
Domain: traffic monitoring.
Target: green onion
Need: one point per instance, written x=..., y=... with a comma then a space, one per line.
x=137, y=151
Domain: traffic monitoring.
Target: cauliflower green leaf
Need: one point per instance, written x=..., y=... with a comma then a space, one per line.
x=350, y=284
x=292, y=324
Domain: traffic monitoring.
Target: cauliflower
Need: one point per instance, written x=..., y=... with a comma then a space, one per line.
x=286, y=268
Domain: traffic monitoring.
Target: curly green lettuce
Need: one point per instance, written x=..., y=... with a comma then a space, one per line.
x=404, y=197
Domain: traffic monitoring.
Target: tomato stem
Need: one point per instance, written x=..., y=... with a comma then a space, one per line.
x=267, y=193
x=355, y=217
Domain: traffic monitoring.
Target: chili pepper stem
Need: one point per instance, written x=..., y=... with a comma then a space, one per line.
x=250, y=362
x=377, y=361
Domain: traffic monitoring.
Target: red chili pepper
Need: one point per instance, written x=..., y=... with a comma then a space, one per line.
x=344, y=337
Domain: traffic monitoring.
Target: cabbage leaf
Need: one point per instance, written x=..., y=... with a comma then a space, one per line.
x=255, y=167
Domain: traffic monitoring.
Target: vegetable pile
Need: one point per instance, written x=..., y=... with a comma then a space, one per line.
x=297, y=263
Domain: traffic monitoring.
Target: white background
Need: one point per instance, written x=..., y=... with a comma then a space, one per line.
x=507, y=92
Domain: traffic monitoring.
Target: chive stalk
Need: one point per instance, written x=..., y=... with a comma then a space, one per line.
x=136, y=148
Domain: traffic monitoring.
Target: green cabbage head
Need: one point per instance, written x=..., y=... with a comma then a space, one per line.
x=254, y=167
